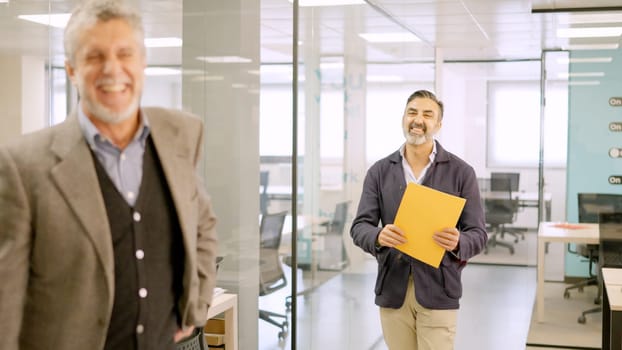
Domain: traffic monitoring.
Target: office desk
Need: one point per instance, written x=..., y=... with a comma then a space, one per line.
x=302, y=221
x=548, y=232
x=525, y=200
x=280, y=192
x=530, y=200
x=227, y=303
x=307, y=245
x=612, y=308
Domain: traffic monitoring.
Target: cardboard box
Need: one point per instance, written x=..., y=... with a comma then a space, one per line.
x=215, y=333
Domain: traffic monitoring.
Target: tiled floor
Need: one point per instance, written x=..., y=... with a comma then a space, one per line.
x=495, y=312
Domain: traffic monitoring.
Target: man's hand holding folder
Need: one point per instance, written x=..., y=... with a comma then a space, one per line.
x=424, y=226
x=392, y=236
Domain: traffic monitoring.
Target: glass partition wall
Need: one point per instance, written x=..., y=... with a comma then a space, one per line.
x=232, y=63
x=351, y=94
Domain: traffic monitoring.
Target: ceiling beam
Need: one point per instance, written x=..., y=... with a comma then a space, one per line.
x=577, y=9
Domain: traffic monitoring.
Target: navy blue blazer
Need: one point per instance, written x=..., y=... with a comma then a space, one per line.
x=382, y=192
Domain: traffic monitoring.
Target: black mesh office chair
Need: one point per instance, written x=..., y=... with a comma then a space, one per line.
x=501, y=210
x=591, y=206
x=264, y=201
x=508, y=182
x=588, y=213
x=271, y=275
x=334, y=256
x=196, y=341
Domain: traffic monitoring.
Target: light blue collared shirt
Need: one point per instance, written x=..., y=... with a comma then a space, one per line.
x=124, y=167
x=408, y=173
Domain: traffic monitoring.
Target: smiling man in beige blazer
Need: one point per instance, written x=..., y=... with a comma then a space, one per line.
x=107, y=236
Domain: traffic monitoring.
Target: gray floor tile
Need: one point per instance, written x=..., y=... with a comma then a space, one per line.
x=495, y=312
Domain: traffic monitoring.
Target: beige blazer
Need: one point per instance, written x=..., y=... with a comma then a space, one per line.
x=56, y=255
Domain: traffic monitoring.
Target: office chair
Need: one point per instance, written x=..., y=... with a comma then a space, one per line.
x=588, y=213
x=500, y=212
x=591, y=206
x=196, y=341
x=264, y=201
x=334, y=256
x=271, y=275
x=589, y=251
x=484, y=185
x=502, y=182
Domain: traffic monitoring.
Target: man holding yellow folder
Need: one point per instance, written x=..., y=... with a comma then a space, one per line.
x=419, y=302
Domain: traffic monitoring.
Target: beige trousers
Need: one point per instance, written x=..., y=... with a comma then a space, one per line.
x=413, y=327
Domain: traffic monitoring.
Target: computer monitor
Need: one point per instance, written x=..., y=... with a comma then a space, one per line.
x=591, y=205
x=610, y=233
x=501, y=181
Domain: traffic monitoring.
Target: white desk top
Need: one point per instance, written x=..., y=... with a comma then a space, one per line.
x=612, y=275
x=221, y=303
x=559, y=232
x=569, y=233
x=302, y=221
x=612, y=278
x=523, y=196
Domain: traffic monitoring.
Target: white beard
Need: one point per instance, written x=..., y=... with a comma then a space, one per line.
x=106, y=115
x=102, y=112
x=416, y=140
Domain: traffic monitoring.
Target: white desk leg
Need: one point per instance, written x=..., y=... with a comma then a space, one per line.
x=231, y=326
x=540, y=284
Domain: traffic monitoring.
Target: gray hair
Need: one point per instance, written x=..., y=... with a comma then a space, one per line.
x=90, y=12
x=429, y=95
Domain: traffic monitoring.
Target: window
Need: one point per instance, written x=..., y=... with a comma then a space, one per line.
x=514, y=124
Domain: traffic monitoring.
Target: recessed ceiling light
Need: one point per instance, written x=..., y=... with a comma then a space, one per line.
x=614, y=17
x=163, y=42
x=613, y=46
x=581, y=74
x=593, y=32
x=208, y=78
x=566, y=60
x=389, y=37
x=305, y=3
x=224, y=59
x=57, y=20
x=586, y=82
x=161, y=71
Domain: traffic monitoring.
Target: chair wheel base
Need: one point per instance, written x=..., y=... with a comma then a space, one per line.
x=581, y=319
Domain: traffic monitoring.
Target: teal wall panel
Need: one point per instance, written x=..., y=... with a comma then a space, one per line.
x=590, y=135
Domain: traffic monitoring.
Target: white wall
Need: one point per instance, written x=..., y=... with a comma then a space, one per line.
x=22, y=95
x=464, y=133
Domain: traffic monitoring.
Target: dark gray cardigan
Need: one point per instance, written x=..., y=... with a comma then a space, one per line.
x=382, y=192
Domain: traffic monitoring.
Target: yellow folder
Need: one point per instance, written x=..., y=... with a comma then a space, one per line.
x=422, y=212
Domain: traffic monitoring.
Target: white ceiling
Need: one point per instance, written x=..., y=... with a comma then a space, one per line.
x=462, y=30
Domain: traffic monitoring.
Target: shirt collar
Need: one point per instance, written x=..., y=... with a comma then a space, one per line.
x=432, y=155
x=91, y=133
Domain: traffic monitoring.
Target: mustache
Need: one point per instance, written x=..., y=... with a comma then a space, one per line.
x=421, y=126
x=111, y=81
